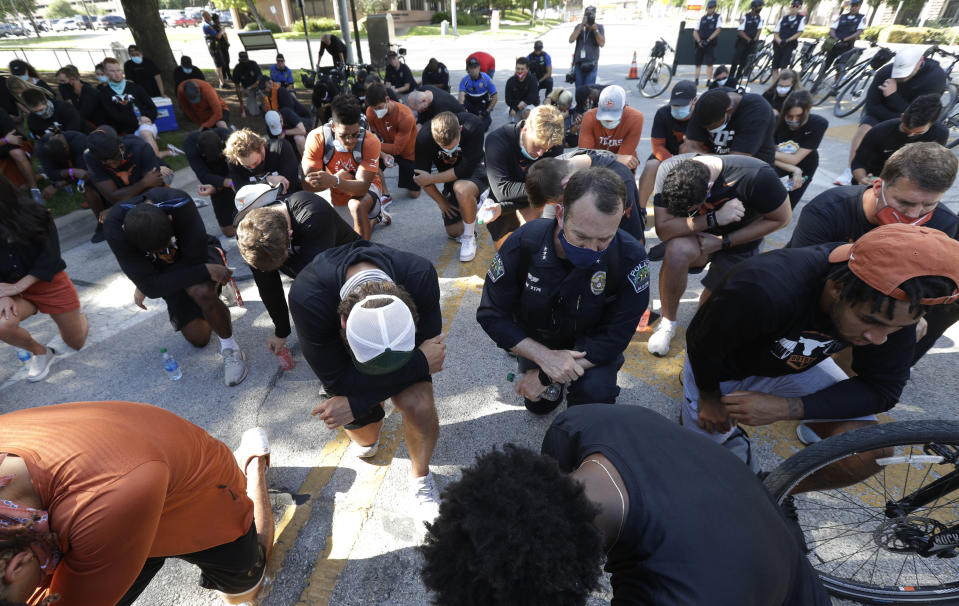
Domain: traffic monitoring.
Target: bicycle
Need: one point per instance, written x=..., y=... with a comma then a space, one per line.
x=759, y=64
x=950, y=98
x=889, y=538
x=849, y=68
x=656, y=74
x=805, y=57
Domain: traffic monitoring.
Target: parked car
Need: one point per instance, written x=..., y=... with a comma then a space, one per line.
x=184, y=21
x=84, y=22
x=111, y=22
x=226, y=18
x=65, y=24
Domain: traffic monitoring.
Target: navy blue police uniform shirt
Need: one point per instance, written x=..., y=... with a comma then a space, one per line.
x=691, y=504
x=531, y=292
x=766, y=320
x=707, y=25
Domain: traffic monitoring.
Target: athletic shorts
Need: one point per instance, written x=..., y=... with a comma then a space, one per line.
x=226, y=117
x=344, y=210
x=782, y=55
x=720, y=262
x=796, y=385
x=181, y=308
x=865, y=118
x=705, y=55
x=232, y=568
x=58, y=296
x=376, y=413
x=147, y=127
x=478, y=179
x=406, y=174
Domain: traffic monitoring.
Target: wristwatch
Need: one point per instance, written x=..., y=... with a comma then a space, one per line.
x=726, y=241
x=711, y=221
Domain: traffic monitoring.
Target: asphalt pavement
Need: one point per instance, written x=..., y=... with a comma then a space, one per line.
x=343, y=533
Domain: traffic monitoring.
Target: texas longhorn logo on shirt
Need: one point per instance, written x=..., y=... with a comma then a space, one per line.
x=806, y=350
x=609, y=142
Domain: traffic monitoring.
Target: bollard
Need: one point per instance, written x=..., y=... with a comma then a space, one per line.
x=445, y=27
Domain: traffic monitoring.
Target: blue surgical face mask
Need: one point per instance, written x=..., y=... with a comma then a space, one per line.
x=187, y=70
x=793, y=124
x=338, y=146
x=118, y=87
x=722, y=82
x=720, y=127
x=24, y=77
x=102, y=79
x=680, y=112
x=137, y=60
x=582, y=258
x=450, y=152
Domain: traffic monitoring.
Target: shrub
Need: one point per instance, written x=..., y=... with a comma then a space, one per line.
x=440, y=16
x=270, y=25
x=815, y=31
x=316, y=24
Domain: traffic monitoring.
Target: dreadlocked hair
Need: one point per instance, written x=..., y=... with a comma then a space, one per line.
x=513, y=530
x=855, y=291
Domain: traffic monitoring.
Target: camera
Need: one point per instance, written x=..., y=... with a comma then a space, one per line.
x=590, y=15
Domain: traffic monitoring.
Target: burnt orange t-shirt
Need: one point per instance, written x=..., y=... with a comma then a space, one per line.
x=623, y=140
x=397, y=130
x=313, y=161
x=123, y=482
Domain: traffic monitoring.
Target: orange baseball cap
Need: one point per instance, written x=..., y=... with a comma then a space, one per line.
x=888, y=255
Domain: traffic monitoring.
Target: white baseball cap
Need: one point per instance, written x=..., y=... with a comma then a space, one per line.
x=253, y=196
x=611, y=103
x=274, y=122
x=906, y=59
x=381, y=339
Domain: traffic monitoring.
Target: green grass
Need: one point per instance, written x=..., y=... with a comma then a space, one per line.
x=434, y=30
x=63, y=202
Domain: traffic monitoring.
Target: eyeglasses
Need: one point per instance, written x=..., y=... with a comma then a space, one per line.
x=168, y=251
x=348, y=136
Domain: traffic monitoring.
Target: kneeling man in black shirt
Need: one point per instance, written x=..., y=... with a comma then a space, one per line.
x=669, y=532
x=758, y=351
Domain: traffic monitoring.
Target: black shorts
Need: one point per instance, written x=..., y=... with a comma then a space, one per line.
x=782, y=55
x=478, y=179
x=6, y=149
x=180, y=306
x=231, y=568
x=406, y=174
x=376, y=413
x=705, y=55
x=720, y=262
x=223, y=206
x=226, y=117
x=865, y=118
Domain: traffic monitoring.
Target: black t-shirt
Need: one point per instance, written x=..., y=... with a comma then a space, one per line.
x=280, y=160
x=40, y=259
x=336, y=47
x=885, y=138
x=180, y=76
x=314, y=298
x=139, y=159
x=465, y=162
x=316, y=227
x=668, y=128
x=209, y=171
x=442, y=102
x=88, y=102
x=52, y=167
x=247, y=73
x=836, y=215
x=766, y=320
x=143, y=74
x=400, y=76
x=929, y=79
x=506, y=165
x=750, y=180
x=122, y=116
x=692, y=507
x=748, y=131
x=807, y=136
x=525, y=90
x=630, y=223
x=774, y=99
x=291, y=119
x=65, y=117
x=440, y=77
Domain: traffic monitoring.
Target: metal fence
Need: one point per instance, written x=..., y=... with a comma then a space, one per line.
x=52, y=59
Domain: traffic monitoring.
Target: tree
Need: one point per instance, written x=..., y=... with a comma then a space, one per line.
x=20, y=9
x=246, y=6
x=59, y=9
x=143, y=19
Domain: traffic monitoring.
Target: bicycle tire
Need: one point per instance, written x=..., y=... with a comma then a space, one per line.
x=952, y=123
x=948, y=100
x=808, y=74
x=657, y=80
x=644, y=75
x=818, y=456
x=853, y=95
x=823, y=88
x=765, y=66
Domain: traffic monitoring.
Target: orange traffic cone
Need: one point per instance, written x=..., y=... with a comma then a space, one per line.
x=633, y=69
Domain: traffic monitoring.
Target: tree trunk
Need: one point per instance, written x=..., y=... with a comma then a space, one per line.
x=143, y=19
x=251, y=7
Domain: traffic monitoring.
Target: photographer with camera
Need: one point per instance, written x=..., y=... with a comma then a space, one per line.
x=589, y=38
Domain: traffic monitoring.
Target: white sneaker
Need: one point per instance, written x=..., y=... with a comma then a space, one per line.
x=40, y=365
x=254, y=443
x=467, y=248
x=845, y=178
x=234, y=367
x=658, y=343
x=806, y=435
x=367, y=452
x=426, y=498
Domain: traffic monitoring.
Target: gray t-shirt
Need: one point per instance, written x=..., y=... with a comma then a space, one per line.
x=587, y=42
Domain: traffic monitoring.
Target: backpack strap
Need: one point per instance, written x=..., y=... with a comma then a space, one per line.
x=328, y=144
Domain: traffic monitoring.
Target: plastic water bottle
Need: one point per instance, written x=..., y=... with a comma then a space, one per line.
x=170, y=366
x=485, y=212
x=553, y=391
x=24, y=356
x=285, y=358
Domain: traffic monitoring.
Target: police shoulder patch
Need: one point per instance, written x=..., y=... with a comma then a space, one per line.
x=496, y=269
x=639, y=277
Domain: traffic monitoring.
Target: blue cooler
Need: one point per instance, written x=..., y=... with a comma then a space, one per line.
x=166, y=119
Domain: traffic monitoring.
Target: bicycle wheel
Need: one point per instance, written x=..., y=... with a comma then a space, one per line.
x=862, y=539
x=645, y=74
x=822, y=88
x=659, y=76
x=948, y=99
x=853, y=95
x=764, y=67
x=808, y=74
x=952, y=123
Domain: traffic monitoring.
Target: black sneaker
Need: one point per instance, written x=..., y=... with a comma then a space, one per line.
x=98, y=234
x=788, y=507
